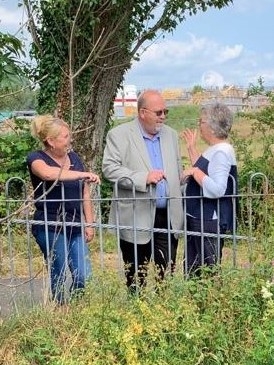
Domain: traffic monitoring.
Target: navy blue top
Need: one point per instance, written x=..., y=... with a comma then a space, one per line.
x=209, y=205
x=73, y=192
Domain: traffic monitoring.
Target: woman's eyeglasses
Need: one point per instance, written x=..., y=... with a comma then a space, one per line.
x=158, y=113
x=200, y=121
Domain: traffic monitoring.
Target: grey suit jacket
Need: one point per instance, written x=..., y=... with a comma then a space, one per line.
x=126, y=164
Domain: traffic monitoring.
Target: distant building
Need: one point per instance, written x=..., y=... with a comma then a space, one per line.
x=23, y=114
x=125, y=102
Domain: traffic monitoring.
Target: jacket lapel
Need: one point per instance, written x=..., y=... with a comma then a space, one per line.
x=139, y=142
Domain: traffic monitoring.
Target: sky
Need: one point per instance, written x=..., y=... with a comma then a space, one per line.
x=231, y=46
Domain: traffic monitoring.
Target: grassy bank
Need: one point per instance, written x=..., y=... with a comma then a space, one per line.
x=224, y=320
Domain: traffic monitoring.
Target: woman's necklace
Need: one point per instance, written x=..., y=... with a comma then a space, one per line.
x=63, y=162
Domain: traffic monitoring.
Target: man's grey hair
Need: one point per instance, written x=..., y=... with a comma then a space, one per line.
x=142, y=98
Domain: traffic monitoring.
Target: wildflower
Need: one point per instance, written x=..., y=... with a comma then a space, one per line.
x=131, y=355
x=268, y=284
x=188, y=335
x=266, y=293
x=137, y=328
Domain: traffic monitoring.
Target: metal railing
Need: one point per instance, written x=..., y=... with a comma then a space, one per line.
x=24, y=278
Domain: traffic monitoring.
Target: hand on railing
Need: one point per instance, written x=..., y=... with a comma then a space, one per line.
x=91, y=177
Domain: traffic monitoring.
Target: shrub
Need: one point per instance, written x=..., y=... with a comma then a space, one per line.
x=15, y=143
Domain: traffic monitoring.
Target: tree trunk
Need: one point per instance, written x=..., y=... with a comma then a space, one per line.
x=90, y=133
x=92, y=43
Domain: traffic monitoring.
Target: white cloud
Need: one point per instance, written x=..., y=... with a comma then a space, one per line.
x=212, y=79
x=243, y=6
x=10, y=18
x=195, y=52
x=200, y=60
x=177, y=53
x=228, y=53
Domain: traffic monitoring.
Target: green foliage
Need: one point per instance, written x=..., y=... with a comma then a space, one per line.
x=183, y=116
x=40, y=347
x=20, y=97
x=10, y=66
x=14, y=147
x=263, y=350
x=197, y=89
x=15, y=90
x=227, y=319
x=106, y=194
x=262, y=123
x=256, y=89
x=67, y=36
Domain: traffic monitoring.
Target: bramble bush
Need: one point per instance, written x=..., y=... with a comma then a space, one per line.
x=255, y=156
x=15, y=144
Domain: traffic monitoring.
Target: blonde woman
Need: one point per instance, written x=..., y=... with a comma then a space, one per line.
x=61, y=243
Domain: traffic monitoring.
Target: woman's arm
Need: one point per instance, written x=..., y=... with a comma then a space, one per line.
x=88, y=212
x=52, y=173
x=197, y=174
x=215, y=183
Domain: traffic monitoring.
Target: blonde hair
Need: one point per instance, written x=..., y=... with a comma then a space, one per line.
x=47, y=126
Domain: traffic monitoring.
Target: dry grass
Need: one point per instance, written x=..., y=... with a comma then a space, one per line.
x=242, y=128
x=108, y=260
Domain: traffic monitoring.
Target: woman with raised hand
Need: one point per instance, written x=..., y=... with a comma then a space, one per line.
x=213, y=176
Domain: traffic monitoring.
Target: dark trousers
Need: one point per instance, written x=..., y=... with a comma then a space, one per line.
x=163, y=255
x=202, y=250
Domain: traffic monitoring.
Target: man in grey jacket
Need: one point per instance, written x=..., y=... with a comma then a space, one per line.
x=142, y=159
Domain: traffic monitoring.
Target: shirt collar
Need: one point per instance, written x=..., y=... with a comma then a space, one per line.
x=145, y=135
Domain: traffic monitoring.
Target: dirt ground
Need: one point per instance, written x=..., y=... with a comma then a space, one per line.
x=19, y=293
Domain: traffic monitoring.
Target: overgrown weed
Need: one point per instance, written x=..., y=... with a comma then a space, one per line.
x=211, y=320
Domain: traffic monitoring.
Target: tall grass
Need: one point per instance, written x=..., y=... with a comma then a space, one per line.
x=226, y=319
x=222, y=320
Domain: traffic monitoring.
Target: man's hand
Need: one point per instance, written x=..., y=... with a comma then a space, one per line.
x=155, y=176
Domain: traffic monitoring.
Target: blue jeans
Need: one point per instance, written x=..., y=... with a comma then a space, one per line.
x=61, y=252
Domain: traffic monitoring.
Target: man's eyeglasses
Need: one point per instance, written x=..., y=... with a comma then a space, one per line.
x=158, y=113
